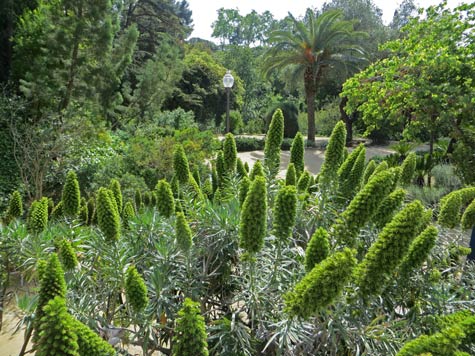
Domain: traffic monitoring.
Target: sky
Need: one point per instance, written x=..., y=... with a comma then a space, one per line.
x=204, y=11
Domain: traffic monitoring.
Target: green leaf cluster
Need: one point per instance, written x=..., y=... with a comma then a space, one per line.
x=468, y=217
x=15, y=206
x=127, y=214
x=67, y=255
x=408, y=169
x=419, y=250
x=38, y=216
x=114, y=187
x=229, y=153
x=180, y=165
x=351, y=172
x=389, y=206
x=304, y=182
x=369, y=170
x=257, y=170
x=291, y=175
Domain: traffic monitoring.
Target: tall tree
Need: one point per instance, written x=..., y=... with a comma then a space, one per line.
x=314, y=49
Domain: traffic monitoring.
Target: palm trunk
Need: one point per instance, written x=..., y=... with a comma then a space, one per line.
x=310, y=92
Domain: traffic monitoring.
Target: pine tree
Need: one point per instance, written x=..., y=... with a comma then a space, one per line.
x=257, y=170
x=135, y=289
x=389, y=206
x=389, y=249
x=67, y=255
x=333, y=155
x=274, y=138
x=285, y=210
x=253, y=223
x=291, y=175
x=180, y=165
x=418, y=251
x=321, y=286
x=114, y=186
x=408, y=168
x=297, y=150
x=165, y=200
x=107, y=216
x=183, y=233
x=57, y=336
x=38, y=216
x=71, y=197
x=190, y=331
x=369, y=170
x=229, y=154
x=318, y=249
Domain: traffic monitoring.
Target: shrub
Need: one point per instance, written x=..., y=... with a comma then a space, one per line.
x=246, y=144
x=89, y=342
x=369, y=170
x=351, y=173
x=236, y=124
x=304, y=182
x=389, y=206
x=127, y=214
x=243, y=189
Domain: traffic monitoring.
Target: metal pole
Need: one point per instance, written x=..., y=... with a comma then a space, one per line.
x=228, y=128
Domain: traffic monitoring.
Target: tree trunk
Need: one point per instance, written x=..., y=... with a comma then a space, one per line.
x=310, y=92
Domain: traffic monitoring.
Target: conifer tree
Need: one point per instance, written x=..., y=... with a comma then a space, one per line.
x=468, y=217
x=190, y=331
x=243, y=189
x=389, y=206
x=274, y=138
x=180, y=165
x=71, y=197
x=333, y=155
x=229, y=154
x=291, y=175
x=67, y=255
x=389, y=249
x=114, y=186
x=297, y=150
x=257, y=170
x=369, y=170
x=38, y=216
x=408, y=168
x=165, y=200
x=253, y=223
x=304, y=182
x=183, y=232
x=107, y=216
x=15, y=206
x=127, y=214
x=318, y=249
x=56, y=336
x=135, y=289
x=285, y=210
x=241, y=170
x=419, y=250
x=321, y=286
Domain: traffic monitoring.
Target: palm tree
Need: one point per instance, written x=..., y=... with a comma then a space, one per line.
x=314, y=48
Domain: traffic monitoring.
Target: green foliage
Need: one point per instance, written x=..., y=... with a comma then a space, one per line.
x=297, y=153
x=468, y=217
x=220, y=170
x=243, y=189
x=165, y=200
x=274, y=138
x=229, y=154
x=389, y=206
x=128, y=213
x=107, y=215
x=318, y=249
x=57, y=336
x=183, y=234
x=291, y=175
x=15, y=206
x=38, y=216
x=369, y=170
x=333, y=155
x=351, y=173
x=83, y=211
x=241, y=170
x=257, y=170
x=114, y=186
x=71, y=196
x=138, y=199
x=321, y=286
x=290, y=122
x=389, y=249
x=419, y=250
x=304, y=182
x=67, y=255
x=89, y=342
x=284, y=212
x=450, y=208
x=196, y=176
x=190, y=331
x=408, y=169
x=180, y=165
x=135, y=289
x=253, y=221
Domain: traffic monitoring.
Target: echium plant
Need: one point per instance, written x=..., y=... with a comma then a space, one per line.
x=243, y=189
x=333, y=156
x=138, y=200
x=220, y=170
x=180, y=165
x=297, y=150
x=89, y=342
x=229, y=154
x=389, y=206
x=135, y=289
x=15, y=206
x=274, y=138
x=389, y=249
x=379, y=168
x=107, y=215
x=190, y=332
x=71, y=197
x=351, y=172
x=253, y=222
x=291, y=175
x=451, y=205
x=67, y=255
x=165, y=200
x=127, y=214
x=284, y=212
x=240, y=168
x=83, y=211
x=38, y=215
x=256, y=170
x=408, y=168
x=183, y=233
x=468, y=217
x=321, y=286
x=304, y=182
x=318, y=249
x=114, y=186
x=369, y=170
